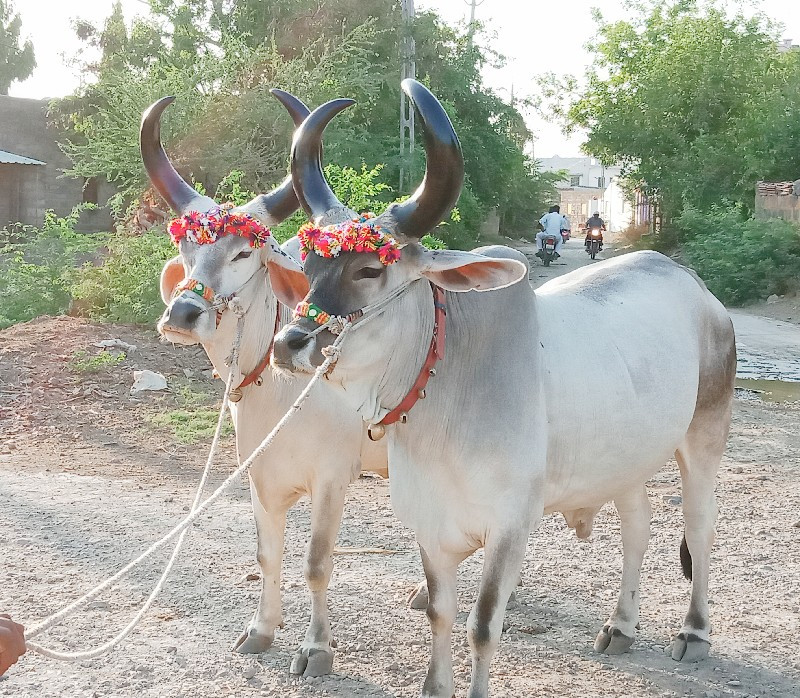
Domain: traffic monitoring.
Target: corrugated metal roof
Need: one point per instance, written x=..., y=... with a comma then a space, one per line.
x=7, y=158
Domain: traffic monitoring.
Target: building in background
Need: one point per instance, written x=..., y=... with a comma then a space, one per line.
x=778, y=200
x=31, y=169
x=588, y=188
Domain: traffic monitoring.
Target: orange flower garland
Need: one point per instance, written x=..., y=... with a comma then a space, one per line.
x=206, y=228
x=357, y=235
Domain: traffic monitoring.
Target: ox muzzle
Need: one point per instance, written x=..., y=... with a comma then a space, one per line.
x=298, y=349
x=187, y=320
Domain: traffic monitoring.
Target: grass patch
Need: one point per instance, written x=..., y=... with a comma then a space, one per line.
x=191, y=426
x=84, y=362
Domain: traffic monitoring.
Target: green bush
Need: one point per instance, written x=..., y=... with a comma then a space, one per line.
x=38, y=267
x=741, y=259
x=125, y=287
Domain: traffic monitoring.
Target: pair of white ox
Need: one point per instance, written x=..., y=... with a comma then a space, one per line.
x=491, y=448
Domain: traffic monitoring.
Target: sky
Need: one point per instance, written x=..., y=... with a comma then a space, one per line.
x=536, y=36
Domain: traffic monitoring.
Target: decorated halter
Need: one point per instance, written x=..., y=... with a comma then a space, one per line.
x=206, y=228
x=357, y=235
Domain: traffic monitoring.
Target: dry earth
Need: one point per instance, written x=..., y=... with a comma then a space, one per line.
x=86, y=483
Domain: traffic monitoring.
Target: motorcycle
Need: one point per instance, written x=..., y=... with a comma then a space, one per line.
x=594, y=241
x=565, y=235
x=548, y=253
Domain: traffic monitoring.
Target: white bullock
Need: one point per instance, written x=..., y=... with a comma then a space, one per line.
x=646, y=359
x=294, y=465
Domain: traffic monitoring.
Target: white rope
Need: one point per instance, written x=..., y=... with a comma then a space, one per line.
x=56, y=618
x=197, y=510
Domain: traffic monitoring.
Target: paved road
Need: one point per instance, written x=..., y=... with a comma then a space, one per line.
x=573, y=256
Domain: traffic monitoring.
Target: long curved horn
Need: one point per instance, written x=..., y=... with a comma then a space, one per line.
x=315, y=195
x=281, y=202
x=167, y=182
x=444, y=171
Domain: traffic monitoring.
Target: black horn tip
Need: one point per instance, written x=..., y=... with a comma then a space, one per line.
x=296, y=108
x=156, y=109
x=319, y=118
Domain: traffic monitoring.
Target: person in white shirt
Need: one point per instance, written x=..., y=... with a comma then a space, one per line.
x=552, y=224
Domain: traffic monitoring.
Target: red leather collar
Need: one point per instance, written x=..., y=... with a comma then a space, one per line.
x=255, y=374
x=435, y=353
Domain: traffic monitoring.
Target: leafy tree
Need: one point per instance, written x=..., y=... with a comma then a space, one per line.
x=17, y=60
x=220, y=56
x=696, y=104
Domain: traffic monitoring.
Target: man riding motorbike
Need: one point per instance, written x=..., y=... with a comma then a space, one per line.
x=552, y=223
x=594, y=222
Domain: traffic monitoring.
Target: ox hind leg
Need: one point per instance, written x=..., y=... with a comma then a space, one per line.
x=503, y=557
x=619, y=631
x=270, y=518
x=698, y=458
x=314, y=657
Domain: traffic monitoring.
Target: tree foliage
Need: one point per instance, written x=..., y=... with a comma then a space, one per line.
x=695, y=103
x=17, y=60
x=219, y=57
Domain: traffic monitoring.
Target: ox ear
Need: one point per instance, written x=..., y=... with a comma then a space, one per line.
x=171, y=275
x=466, y=271
x=286, y=276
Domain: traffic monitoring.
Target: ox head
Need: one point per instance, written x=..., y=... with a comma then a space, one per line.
x=242, y=248
x=355, y=262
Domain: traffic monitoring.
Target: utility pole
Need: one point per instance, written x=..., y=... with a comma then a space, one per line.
x=471, y=28
x=409, y=70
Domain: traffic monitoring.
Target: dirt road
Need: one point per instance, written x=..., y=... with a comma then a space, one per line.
x=87, y=481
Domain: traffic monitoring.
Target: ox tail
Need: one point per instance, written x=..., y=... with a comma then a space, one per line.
x=686, y=559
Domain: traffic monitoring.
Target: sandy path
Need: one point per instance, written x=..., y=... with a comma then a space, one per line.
x=63, y=532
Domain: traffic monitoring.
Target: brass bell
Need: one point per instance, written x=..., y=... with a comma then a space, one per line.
x=235, y=395
x=421, y=394
x=432, y=372
x=214, y=374
x=403, y=417
x=259, y=381
x=376, y=432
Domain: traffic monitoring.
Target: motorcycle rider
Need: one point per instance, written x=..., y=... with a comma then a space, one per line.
x=594, y=222
x=552, y=223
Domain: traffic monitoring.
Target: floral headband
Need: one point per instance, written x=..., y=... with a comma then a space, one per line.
x=357, y=235
x=206, y=228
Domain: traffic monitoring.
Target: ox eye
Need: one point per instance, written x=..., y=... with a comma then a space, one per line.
x=244, y=254
x=368, y=273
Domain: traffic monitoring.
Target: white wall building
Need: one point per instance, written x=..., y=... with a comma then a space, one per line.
x=590, y=187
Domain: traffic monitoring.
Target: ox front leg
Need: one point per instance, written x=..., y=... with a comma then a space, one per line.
x=440, y=573
x=314, y=657
x=503, y=558
x=619, y=631
x=270, y=526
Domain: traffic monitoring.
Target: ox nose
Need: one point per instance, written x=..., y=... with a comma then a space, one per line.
x=292, y=340
x=183, y=315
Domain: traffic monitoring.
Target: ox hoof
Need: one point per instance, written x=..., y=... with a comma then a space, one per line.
x=251, y=642
x=612, y=640
x=312, y=662
x=688, y=647
x=418, y=599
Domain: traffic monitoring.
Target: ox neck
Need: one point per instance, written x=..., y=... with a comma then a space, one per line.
x=392, y=373
x=258, y=332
